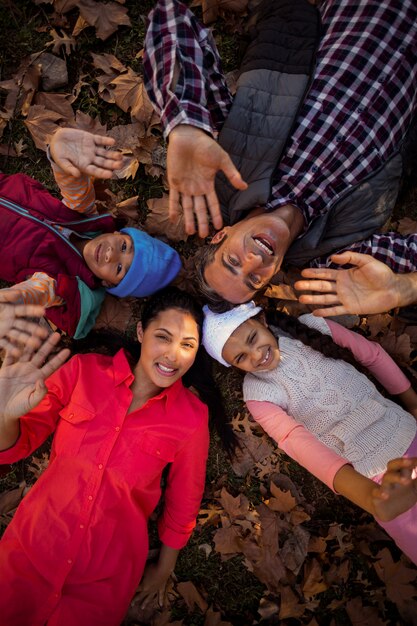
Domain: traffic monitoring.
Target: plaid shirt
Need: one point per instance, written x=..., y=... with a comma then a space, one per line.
x=354, y=117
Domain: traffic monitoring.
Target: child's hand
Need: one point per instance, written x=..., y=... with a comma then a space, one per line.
x=398, y=490
x=79, y=152
x=153, y=585
x=15, y=329
x=22, y=384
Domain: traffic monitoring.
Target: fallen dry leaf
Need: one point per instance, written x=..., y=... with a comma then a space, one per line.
x=398, y=347
x=313, y=582
x=396, y=577
x=61, y=41
x=407, y=226
x=290, y=605
x=9, y=500
x=57, y=102
x=158, y=223
x=42, y=123
x=192, y=596
x=106, y=17
x=361, y=615
x=114, y=313
x=214, y=618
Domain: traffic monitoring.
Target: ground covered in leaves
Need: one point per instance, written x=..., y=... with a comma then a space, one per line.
x=272, y=545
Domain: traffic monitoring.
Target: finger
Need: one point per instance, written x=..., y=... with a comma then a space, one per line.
x=174, y=209
x=316, y=285
x=351, y=258
x=325, y=298
x=103, y=162
x=161, y=595
x=232, y=173
x=113, y=155
x=38, y=393
x=68, y=167
x=30, y=328
x=214, y=208
x=319, y=272
x=331, y=311
x=200, y=210
x=24, y=338
x=400, y=463
x=12, y=352
x=187, y=207
x=29, y=310
x=55, y=362
x=9, y=296
x=46, y=348
x=103, y=140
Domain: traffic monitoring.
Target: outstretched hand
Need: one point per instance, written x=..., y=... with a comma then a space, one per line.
x=398, y=490
x=16, y=330
x=369, y=287
x=22, y=381
x=79, y=152
x=193, y=160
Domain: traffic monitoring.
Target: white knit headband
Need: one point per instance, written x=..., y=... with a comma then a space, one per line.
x=217, y=327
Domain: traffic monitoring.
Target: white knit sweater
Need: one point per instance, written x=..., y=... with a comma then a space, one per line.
x=335, y=402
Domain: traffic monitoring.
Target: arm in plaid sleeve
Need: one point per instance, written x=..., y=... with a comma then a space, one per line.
x=182, y=70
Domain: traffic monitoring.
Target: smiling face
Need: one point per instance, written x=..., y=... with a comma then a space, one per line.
x=252, y=347
x=169, y=347
x=250, y=256
x=109, y=257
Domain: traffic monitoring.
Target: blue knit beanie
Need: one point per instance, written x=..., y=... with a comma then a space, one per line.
x=154, y=265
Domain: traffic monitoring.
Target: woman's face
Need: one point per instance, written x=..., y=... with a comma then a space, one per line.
x=252, y=347
x=169, y=347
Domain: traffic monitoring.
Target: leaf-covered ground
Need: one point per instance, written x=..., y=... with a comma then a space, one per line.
x=272, y=544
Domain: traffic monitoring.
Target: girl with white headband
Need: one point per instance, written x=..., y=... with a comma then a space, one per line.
x=303, y=387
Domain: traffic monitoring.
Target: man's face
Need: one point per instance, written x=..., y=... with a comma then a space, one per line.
x=109, y=257
x=250, y=256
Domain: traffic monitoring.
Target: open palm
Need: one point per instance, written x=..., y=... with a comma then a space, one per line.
x=366, y=288
x=78, y=152
x=22, y=383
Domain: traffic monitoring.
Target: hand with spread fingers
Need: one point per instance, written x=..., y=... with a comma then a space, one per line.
x=368, y=287
x=22, y=380
x=193, y=160
x=397, y=492
x=79, y=152
x=16, y=330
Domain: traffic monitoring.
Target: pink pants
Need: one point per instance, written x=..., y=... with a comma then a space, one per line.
x=403, y=529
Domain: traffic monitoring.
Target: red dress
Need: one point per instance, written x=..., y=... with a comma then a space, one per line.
x=76, y=548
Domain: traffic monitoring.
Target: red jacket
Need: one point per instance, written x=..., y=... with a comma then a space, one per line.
x=30, y=242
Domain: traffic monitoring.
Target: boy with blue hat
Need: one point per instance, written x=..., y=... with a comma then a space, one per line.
x=63, y=263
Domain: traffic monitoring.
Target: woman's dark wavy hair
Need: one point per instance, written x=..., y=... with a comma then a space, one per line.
x=198, y=376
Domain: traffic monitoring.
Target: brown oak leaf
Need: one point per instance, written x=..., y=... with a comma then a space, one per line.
x=61, y=41
x=192, y=596
x=114, y=313
x=42, y=123
x=158, y=222
x=106, y=17
x=57, y=102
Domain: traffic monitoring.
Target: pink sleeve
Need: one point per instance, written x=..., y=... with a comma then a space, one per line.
x=185, y=488
x=371, y=355
x=296, y=441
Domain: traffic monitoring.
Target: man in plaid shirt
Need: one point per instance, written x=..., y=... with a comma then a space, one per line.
x=353, y=119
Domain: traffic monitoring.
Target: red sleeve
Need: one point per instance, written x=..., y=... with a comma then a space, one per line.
x=185, y=488
x=38, y=424
x=371, y=355
x=298, y=442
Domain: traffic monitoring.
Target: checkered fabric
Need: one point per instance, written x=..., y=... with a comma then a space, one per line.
x=358, y=106
x=182, y=68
